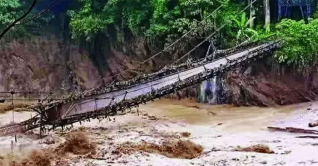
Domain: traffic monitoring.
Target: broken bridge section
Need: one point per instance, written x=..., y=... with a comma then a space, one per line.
x=107, y=101
x=119, y=100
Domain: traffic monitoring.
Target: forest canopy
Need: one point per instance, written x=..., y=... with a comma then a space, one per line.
x=153, y=19
x=160, y=22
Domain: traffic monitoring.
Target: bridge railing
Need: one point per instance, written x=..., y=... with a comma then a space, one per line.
x=178, y=69
x=135, y=102
x=168, y=70
x=157, y=93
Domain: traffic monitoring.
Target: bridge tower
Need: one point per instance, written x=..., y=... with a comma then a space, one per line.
x=284, y=7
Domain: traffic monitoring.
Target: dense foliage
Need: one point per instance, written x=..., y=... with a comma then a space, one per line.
x=300, y=41
x=153, y=19
x=9, y=9
x=245, y=33
x=160, y=22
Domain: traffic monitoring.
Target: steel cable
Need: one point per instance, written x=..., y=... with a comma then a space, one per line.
x=207, y=38
x=165, y=49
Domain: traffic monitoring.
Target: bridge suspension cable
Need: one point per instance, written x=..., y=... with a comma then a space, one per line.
x=25, y=92
x=169, y=46
x=207, y=38
x=188, y=53
x=41, y=12
x=183, y=36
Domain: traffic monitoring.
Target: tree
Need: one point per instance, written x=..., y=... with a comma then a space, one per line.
x=14, y=21
x=300, y=42
x=151, y=19
x=245, y=33
x=9, y=11
x=96, y=17
x=267, y=15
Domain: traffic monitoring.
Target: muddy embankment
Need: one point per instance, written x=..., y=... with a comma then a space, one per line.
x=266, y=83
x=42, y=64
x=263, y=83
x=47, y=64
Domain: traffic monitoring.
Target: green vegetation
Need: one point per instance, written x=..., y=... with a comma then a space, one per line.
x=300, y=42
x=245, y=33
x=160, y=22
x=154, y=19
x=9, y=9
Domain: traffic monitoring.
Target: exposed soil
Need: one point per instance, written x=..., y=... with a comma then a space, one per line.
x=262, y=84
x=48, y=64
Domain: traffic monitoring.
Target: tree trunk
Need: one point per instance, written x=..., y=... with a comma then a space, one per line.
x=252, y=13
x=293, y=130
x=267, y=14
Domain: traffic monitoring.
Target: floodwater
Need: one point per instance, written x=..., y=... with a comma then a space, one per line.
x=232, y=118
x=218, y=128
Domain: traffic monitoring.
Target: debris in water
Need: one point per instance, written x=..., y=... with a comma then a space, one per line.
x=185, y=134
x=308, y=136
x=293, y=130
x=313, y=124
x=152, y=118
x=195, y=106
x=211, y=113
x=255, y=148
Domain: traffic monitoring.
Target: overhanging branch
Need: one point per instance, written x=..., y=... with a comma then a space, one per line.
x=17, y=20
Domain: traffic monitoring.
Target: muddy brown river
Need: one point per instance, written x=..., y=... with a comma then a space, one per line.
x=232, y=118
x=219, y=129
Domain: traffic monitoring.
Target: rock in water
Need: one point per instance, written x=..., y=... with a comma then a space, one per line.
x=313, y=124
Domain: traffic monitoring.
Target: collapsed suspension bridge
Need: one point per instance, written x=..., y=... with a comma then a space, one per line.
x=120, y=96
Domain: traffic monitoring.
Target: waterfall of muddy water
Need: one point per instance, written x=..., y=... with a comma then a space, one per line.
x=208, y=92
x=214, y=91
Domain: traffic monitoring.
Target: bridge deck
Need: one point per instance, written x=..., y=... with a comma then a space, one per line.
x=101, y=101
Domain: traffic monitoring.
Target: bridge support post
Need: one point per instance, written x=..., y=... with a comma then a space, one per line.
x=205, y=69
x=96, y=108
x=125, y=95
x=109, y=108
x=41, y=120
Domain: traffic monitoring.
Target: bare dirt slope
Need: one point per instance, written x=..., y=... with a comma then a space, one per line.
x=268, y=84
x=48, y=64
